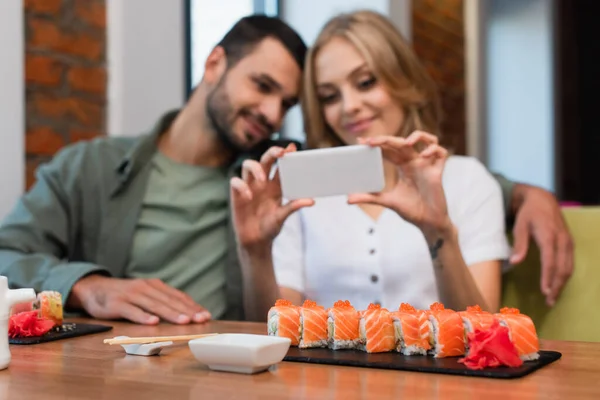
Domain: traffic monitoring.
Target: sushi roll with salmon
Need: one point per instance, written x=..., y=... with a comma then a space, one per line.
x=284, y=321
x=313, y=325
x=474, y=318
x=342, y=326
x=412, y=329
x=376, y=329
x=447, y=330
x=50, y=305
x=521, y=331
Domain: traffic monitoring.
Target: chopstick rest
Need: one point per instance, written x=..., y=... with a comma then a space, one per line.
x=144, y=349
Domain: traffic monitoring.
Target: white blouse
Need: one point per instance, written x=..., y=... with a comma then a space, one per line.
x=334, y=251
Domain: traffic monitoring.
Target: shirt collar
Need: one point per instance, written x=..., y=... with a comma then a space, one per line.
x=143, y=151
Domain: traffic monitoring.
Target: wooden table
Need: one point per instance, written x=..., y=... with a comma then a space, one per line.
x=84, y=367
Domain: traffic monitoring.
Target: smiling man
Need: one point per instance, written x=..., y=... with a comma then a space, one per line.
x=138, y=228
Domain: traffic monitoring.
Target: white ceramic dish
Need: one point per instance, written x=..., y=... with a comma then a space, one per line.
x=239, y=352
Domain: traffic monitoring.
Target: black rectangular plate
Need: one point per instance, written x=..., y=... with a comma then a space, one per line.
x=69, y=330
x=397, y=361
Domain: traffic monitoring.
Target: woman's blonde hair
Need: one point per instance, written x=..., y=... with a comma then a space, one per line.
x=393, y=63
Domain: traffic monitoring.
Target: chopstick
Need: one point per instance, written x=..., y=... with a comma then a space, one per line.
x=155, y=339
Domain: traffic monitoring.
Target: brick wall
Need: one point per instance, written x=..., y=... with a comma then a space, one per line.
x=65, y=72
x=438, y=38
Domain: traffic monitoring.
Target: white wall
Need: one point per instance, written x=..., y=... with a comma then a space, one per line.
x=308, y=17
x=520, y=125
x=12, y=97
x=145, y=45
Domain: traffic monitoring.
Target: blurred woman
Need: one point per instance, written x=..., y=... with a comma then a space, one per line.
x=435, y=233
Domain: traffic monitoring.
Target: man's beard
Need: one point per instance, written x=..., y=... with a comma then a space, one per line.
x=221, y=117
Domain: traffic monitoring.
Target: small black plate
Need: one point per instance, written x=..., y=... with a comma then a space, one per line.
x=397, y=361
x=68, y=330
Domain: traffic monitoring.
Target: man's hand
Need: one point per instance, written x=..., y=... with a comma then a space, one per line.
x=144, y=301
x=538, y=215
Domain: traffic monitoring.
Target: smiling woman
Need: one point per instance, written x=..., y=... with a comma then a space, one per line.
x=387, y=56
x=435, y=233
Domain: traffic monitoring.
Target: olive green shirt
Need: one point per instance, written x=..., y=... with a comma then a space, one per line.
x=181, y=234
x=81, y=217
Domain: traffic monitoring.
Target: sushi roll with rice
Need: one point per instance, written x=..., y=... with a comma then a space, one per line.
x=521, y=331
x=51, y=307
x=474, y=318
x=412, y=329
x=376, y=329
x=313, y=325
x=447, y=331
x=342, y=326
x=284, y=321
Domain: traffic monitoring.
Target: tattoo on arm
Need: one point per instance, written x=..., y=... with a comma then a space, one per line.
x=433, y=250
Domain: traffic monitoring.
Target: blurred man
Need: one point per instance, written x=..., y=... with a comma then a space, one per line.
x=154, y=209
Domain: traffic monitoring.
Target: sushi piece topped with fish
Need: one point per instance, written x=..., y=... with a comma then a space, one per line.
x=284, y=321
x=313, y=325
x=50, y=305
x=474, y=318
x=376, y=329
x=521, y=331
x=448, y=332
x=342, y=326
x=412, y=329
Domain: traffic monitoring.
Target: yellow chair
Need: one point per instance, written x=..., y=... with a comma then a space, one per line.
x=576, y=314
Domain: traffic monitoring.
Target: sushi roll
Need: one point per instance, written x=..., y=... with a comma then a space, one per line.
x=448, y=332
x=284, y=321
x=376, y=329
x=313, y=325
x=474, y=318
x=412, y=329
x=50, y=305
x=521, y=331
x=342, y=326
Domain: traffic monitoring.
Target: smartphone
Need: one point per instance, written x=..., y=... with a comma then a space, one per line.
x=331, y=172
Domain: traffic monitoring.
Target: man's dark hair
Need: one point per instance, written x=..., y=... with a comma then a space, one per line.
x=249, y=31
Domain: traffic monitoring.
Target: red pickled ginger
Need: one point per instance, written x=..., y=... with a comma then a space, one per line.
x=28, y=324
x=491, y=348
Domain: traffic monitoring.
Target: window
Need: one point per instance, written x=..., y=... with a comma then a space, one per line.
x=207, y=21
x=520, y=90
